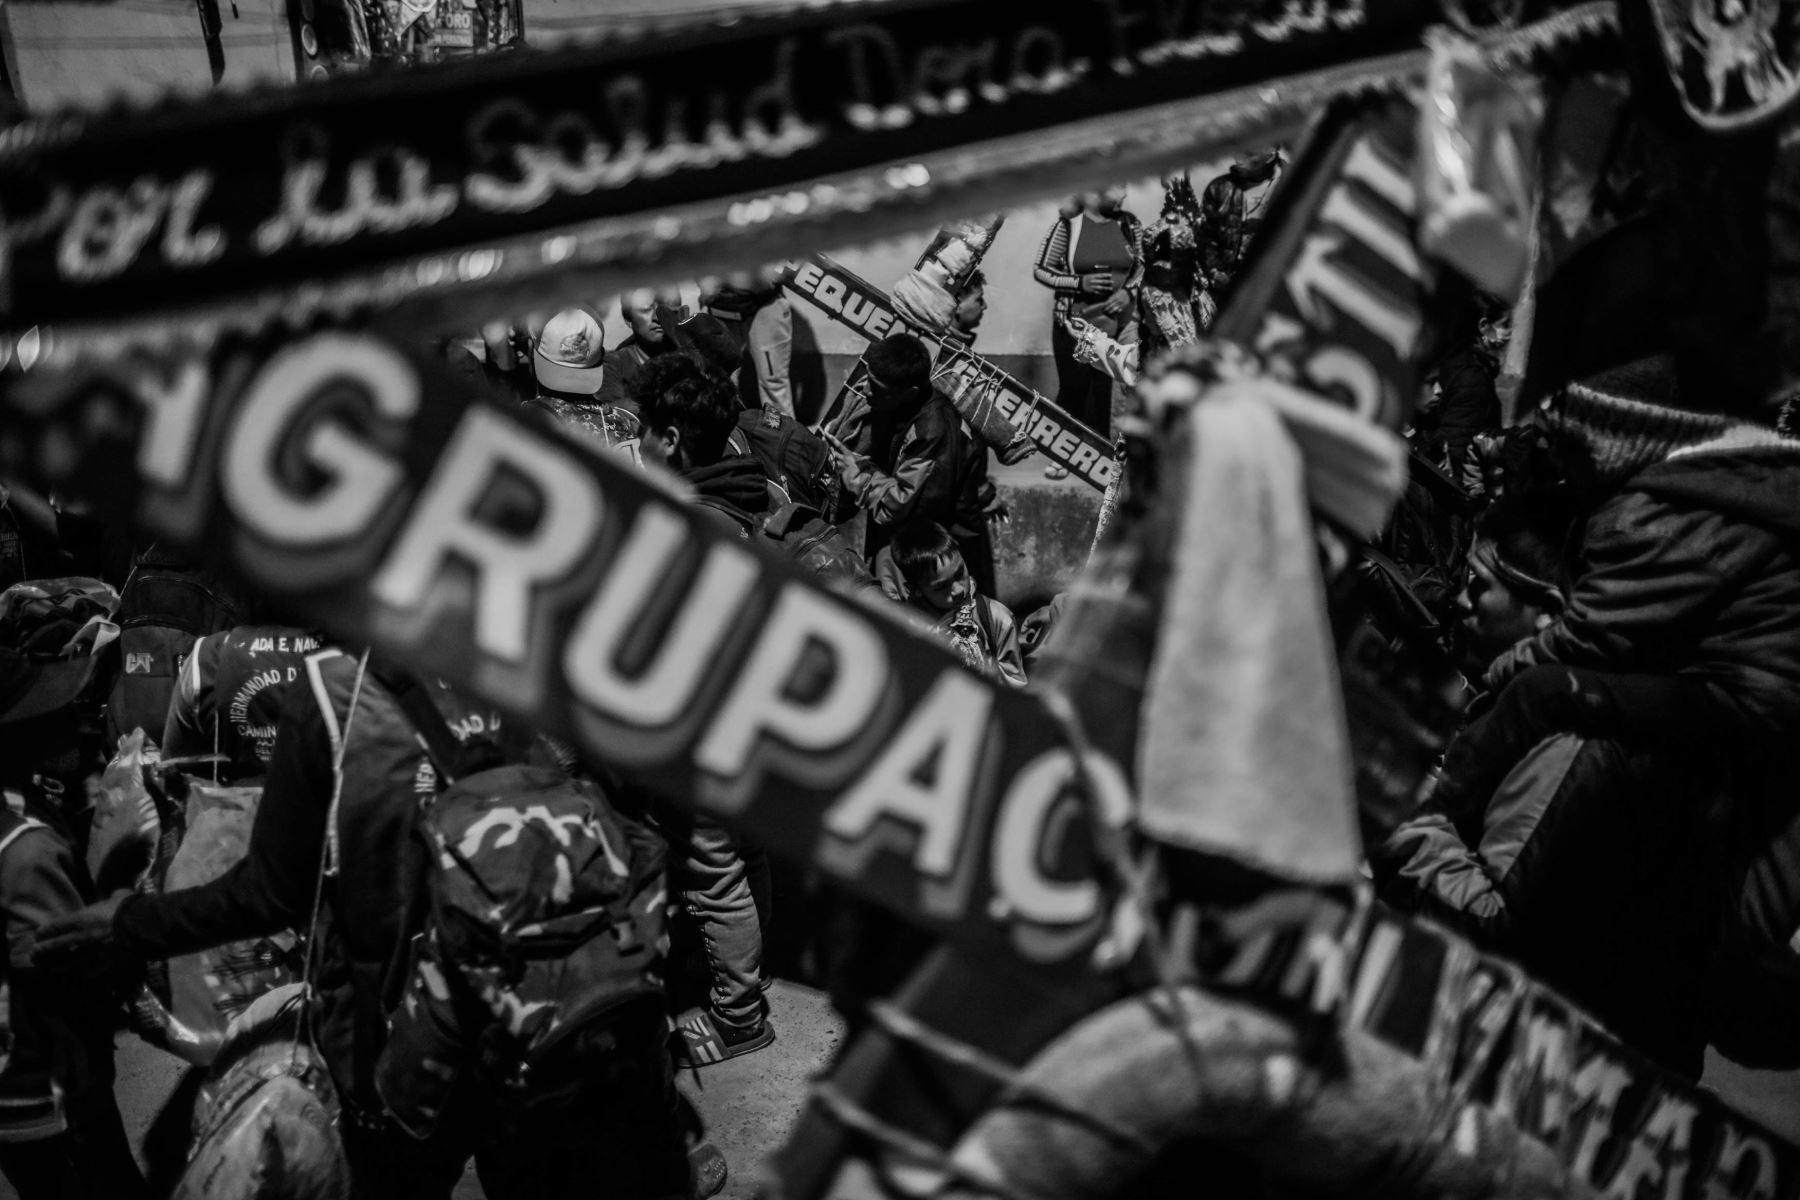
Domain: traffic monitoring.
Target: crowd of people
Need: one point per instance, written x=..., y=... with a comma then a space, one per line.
x=1616, y=580
x=895, y=508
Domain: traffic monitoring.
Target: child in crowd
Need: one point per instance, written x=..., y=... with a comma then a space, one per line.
x=923, y=569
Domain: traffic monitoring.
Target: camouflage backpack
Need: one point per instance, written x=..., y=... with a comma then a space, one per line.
x=545, y=910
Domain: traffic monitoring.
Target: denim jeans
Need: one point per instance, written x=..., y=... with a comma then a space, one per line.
x=725, y=887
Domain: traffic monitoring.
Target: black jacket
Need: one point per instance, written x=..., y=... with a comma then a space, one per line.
x=1693, y=568
x=1598, y=867
x=736, y=489
x=929, y=467
x=367, y=902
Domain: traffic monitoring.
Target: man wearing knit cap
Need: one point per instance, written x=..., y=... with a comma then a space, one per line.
x=925, y=463
x=1582, y=863
x=1682, y=630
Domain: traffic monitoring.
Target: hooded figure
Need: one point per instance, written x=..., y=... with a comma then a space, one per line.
x=1682, y=629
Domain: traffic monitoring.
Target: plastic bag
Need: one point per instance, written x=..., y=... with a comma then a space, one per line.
x=126, y=825
x=266, y=1127
x=209, y=988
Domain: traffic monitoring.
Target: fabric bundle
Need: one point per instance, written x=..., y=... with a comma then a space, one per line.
x=1244, y=749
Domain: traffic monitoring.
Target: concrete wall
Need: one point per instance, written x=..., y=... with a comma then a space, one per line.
x=1016, y=331
x=91, y=54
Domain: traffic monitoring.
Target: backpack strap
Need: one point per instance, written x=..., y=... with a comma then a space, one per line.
x=452, y=758
x=790, y=429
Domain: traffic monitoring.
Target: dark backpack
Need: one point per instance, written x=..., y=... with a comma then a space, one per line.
x=791, y=455
x=545, y=909
x=165, y=607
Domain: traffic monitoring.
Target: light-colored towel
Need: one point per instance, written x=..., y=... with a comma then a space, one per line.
x=1244, y=750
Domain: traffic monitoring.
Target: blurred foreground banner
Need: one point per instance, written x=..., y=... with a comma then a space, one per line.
x=362, y=486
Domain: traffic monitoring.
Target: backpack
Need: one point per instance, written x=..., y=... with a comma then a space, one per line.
x=791, y=455
x=545, y=909
x=164, y=608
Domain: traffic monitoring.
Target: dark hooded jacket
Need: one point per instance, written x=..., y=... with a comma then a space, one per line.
x=1689, y=574
x=736, y=489
x=929, y=467
x=1693, y=568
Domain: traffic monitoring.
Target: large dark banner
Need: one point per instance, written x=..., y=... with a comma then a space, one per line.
x=361, y=484
x=360, y=192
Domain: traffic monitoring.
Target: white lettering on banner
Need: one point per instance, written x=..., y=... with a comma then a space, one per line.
x=108, y=229
x=887, y=91
x=1318, y=282
x=857, y=309
x=945, y=733
x=1334, y=367
x=844, y=300
x=1084, y=458
x=362, y=479
x=634, y=588
x=566, y=154
x=1343, y=209
x=1534, y=1092
x=447, y=525
x=174, y=415
x=1368, y=163
x=184, y=245
x=1659, y=1154
x=1314, y=973
x=1374, y=967
x=1317, y=275
x=1023, y=829
x=1189, y=29
x=366, y=209
x=1596, y=1087
x=1738, y=1151
x=762, y=706
x=831, y=293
